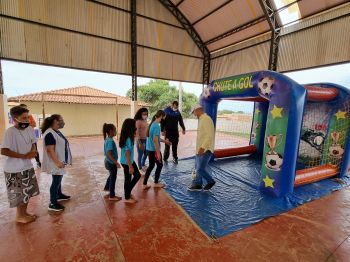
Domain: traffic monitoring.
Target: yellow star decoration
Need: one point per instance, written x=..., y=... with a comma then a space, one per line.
x=340, y=114
x=268, y=181
x=276, y=112
x=257, y=111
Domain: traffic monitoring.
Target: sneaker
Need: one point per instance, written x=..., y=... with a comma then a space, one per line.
x=146, y=187
x=195, y=188
x=159, y=185
x=63, y=197
x=130, y=201
x=115, y=198
x=56, y=207
x=209, y=186
x=175, y=161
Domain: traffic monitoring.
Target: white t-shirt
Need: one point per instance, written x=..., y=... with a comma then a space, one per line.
x=19, y=141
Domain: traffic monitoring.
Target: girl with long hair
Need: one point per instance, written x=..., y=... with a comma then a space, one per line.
x=153, y=149
x=126, y=143
x=111, y=159
x=141, y=136
x=56, y=155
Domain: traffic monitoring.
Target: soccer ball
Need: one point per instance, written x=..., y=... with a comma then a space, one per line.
x=318, y=140
x=274, y=161
x=265, y=85
x=206, y=92
x=336, y=150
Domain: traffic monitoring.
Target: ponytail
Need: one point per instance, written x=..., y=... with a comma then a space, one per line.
x=106, y=129
x=160, y=113
x=48, y=122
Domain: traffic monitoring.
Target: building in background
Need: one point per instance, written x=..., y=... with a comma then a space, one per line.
x=85, y=109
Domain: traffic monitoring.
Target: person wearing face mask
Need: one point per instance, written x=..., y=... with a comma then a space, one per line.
x=141, y=136
x=204, y=150
x=19, y=148
x=56, y=155
x=170, y=127
x=153, y=150
x=32, y=123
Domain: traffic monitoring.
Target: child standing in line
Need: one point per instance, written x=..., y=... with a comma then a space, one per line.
x=111, y=159
x=19, y=148
x=126, y=143
x=153, y=149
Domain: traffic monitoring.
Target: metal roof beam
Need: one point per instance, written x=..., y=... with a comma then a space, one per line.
x=272, y=18
x=235, y=30
x=194, y=35
x=211, y=12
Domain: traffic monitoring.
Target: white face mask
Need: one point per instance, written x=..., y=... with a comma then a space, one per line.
x=144, y=117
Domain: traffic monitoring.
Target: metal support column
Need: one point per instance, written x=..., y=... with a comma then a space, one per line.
x=133, y=51
x=1, y=82
x=271, y=16
x=194, y=35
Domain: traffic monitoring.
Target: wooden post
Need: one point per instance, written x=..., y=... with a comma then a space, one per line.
x=43, y=105
x=117, y=115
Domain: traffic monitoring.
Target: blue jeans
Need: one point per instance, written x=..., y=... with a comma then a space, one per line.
x=55, y=189
x=202, y=169
x=141, y=154
x=110, y=183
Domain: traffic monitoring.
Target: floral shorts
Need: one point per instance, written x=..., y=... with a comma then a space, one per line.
x=21, y=186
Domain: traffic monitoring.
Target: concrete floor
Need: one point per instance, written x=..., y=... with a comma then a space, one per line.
x=156, y=228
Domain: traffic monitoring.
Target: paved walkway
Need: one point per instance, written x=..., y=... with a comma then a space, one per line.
x=156, y=229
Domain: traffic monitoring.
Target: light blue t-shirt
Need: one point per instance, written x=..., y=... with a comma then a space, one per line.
x=110, y=146
x=128, y=147
x=154, y=130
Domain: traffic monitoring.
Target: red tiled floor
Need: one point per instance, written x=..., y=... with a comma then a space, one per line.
x=156, y=229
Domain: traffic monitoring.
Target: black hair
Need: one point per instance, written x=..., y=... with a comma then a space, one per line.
x=23, y=105
x=49, y=121
x=107, y=128
x=18, y=111
x=175, y=103
x=138, y=115
x=160, y=113
x=128, y=131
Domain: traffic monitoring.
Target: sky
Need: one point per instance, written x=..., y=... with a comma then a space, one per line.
x=24, y=78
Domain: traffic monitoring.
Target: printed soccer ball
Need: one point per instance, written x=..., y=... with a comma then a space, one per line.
x=336, y=150
x=265, y=85
x=274, y=161
x=318, y=140
x=206, y=93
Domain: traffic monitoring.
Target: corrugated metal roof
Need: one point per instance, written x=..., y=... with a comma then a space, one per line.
x=215, y=19
x=76, y=95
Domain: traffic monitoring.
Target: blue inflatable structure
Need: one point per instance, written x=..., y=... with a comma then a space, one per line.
x=299, y=150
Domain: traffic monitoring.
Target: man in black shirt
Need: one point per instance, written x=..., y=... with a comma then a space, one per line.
x=170, y=128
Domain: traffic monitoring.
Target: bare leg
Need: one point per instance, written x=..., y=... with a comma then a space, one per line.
x=21, y=216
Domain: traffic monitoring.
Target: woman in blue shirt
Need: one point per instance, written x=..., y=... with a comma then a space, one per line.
x=153, y=149
x=111, y=159
x=126, y=143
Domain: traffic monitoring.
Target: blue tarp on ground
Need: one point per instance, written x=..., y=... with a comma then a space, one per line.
x=235, y=202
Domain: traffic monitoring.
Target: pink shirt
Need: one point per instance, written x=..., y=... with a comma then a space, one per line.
x=141, y=132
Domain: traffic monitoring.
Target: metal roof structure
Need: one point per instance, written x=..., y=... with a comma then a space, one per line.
x=223, y=23
x=182, y=40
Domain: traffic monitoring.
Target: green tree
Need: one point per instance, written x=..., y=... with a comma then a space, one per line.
x=160, y=94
